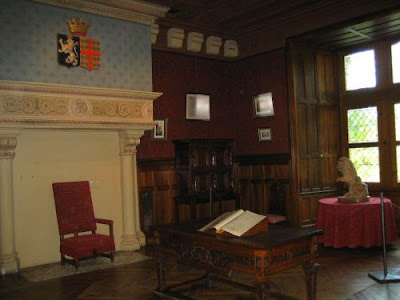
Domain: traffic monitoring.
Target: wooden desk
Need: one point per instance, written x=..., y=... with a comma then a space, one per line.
x=355, y=224
x=262, y=255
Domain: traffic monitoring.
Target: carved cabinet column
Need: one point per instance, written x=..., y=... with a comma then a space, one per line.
x=132, y=237
x=9, y=260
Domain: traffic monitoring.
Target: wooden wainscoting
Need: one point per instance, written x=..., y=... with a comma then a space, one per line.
x=263, y=182
x=158, y=177
x=308, y=207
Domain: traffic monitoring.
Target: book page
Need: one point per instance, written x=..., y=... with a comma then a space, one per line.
x=222, y=220
x=243, y=223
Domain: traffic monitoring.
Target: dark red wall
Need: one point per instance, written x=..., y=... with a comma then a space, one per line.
x=253, y=76
x=174, y=75
x=231, y=86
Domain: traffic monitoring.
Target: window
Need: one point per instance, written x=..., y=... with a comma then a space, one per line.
x=360, y=70
x=396, y=62
x=363, y=125
x=397, y=128
x=363, y=141
x=373, y=115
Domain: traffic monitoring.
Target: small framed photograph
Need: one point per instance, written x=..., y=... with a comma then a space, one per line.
x=197, y=107
x=160, y=130
x=263, y=105
x=264, y=135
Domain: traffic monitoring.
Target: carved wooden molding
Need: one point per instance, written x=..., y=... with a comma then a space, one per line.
x=214, y=259
x=43, y=105
x=133, y=11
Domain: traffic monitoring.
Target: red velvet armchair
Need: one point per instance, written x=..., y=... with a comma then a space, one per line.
x=77, y=224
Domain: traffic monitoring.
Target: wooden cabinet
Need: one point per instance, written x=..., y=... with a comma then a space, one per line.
x=205, y=178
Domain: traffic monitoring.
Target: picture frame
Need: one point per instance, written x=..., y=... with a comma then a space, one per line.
x=197, y=107
x=160, y=129
x=264, y=135
x=263, y=105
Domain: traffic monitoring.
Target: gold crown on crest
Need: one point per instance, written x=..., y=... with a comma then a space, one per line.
x=78, y=26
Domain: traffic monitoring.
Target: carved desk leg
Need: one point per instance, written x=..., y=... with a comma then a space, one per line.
x=263, y=290
x=310, y=270
x=161, y=272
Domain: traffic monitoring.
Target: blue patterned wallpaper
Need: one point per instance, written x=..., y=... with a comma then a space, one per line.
x=28, y=47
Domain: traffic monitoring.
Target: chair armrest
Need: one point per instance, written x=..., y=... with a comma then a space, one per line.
x=104, y=221
x=110, y=223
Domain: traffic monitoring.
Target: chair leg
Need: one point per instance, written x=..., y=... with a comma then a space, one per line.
x=62, y=259
x=112, y=256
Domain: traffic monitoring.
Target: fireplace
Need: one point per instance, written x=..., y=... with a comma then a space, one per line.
x=45, y=126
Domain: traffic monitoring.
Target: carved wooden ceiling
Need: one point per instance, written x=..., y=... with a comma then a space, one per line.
x=262, y=25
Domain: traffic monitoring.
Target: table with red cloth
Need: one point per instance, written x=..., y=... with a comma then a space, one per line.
x=355, y=224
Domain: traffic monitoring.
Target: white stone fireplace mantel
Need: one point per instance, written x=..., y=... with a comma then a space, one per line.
x=29, y=105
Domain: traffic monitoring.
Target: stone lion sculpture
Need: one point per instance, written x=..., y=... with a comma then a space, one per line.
x=358, y=191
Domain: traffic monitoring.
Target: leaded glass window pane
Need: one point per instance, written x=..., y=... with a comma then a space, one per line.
x=396, y=62
x=360, y=70
x=366, y=162
x=362, y=125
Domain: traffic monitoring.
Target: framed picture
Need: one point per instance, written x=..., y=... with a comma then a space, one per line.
x=264, y=135
x=197, y=107
x=160, y=130
x=263, y=105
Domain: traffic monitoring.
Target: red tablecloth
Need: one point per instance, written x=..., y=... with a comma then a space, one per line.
x=355, y=224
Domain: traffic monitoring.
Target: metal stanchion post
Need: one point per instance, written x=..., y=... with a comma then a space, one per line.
x=384, y=277
x=210, y=202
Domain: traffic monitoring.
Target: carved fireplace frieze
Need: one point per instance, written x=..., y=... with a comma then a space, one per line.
x=32, y=105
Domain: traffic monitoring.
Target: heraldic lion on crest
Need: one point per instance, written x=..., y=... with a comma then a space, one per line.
x=358, y=191
x=69, y=48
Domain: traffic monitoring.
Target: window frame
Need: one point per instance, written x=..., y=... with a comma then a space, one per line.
x=384, y=95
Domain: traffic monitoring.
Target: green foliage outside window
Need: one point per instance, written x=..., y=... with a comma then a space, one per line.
x=362, y=125
x=366, y=162
x=363, y=128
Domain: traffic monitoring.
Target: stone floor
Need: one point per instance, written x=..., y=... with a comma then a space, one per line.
x=55, y=270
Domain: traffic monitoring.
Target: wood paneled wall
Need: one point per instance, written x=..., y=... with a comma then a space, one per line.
x=263, y=183
x=314, y=129
x=159, y=178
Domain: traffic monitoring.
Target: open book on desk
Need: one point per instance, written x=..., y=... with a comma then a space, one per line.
x=238, y=222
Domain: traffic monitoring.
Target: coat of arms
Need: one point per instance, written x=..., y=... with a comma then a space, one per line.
x=77, y=50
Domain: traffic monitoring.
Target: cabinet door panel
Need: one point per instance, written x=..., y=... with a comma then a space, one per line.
x=208, y=168
x=201, y=157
